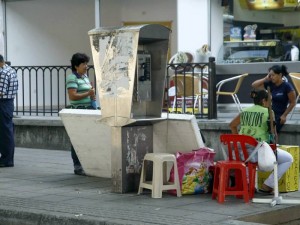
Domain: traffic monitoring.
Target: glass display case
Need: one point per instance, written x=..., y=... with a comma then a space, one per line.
x=250, y=51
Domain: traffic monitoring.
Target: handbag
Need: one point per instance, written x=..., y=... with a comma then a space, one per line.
x=266, y=156
x=194, y=171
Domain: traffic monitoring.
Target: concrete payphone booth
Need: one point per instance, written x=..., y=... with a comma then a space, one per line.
x=130, y=64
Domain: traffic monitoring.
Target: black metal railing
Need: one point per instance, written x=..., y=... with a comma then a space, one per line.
x=190, y=89
x=42, y=89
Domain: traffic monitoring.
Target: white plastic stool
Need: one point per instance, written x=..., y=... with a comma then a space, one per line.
x=159, y=181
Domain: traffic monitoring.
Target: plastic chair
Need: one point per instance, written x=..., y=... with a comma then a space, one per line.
x=187, y=87
x=295, y=77
x=159, y=181
x=233, y=94
x=237, y=154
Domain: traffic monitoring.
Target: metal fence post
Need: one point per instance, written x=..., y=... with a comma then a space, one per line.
x=212, y=100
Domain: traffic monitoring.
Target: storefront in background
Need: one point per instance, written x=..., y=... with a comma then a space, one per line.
x=257, y=35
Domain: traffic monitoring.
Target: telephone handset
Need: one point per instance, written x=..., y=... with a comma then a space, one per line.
x=143, y=76
x=145, y=67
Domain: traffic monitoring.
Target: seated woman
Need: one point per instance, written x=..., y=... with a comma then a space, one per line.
x=253, y=121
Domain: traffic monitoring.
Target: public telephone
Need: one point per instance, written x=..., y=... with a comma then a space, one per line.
x=143, y=77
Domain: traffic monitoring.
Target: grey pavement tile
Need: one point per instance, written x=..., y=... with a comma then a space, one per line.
x=197, y=216
x=108, y=196
x=52, y=198
x=43, y=181
x=19, y=185
x=23, y=194
x=50, y=178
x=90, y=194
x=165, y=201
x=87, y=202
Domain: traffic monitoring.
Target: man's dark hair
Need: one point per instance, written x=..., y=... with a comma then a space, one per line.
x=79, y=58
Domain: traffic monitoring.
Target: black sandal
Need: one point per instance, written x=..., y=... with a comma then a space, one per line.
x=265, y=191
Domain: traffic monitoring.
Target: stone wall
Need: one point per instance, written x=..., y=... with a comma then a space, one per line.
x=41, y=132
x=49, y=133
x=211, y=130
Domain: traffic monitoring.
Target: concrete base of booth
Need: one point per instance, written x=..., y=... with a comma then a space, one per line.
x=118, y=152
x=91, y=140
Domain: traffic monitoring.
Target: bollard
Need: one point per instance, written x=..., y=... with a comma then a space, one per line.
x=212, y=100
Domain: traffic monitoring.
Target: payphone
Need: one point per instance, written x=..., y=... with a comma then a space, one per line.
x=130, y=64
x=143, y=77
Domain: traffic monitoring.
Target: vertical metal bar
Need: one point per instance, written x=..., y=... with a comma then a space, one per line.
x=65, y=89
x=23, y=97
x=168, y=88
x=193, y=92
x=200, y=101
x=5, y=29
x=58, y=92
x=97, y=13
x=176, y=90
x=212, y=103
x=51, y=91
x=37, y=92
x=29, y=80
x=44, y=98
x=209, y=14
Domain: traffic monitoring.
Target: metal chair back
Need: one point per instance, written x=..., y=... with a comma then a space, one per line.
x=239, y=80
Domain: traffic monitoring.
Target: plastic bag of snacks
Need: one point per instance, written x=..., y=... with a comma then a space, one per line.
x=194, y=172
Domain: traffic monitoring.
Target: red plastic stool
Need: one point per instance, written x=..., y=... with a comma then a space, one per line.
x=222, y=187
x=237, y=154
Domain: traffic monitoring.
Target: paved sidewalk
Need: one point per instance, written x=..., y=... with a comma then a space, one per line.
x=41, y=190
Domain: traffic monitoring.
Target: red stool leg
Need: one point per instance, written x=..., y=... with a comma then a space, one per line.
x=239, y=186
x=245, y=186
x=252, y=175
x=216, y=182
x=222, y=185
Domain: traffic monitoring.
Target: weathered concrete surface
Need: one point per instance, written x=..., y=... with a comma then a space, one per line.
x=41, y=190
x=44, y=132
x=211, y=129
x=49, y=132
x=91, y=140
x=103, y=153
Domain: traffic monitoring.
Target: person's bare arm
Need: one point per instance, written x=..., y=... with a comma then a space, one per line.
x=292, y=104
x=259, y=84
x=234, y=124
x=73, y=95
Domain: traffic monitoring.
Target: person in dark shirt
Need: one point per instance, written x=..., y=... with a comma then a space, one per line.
x=283, y=93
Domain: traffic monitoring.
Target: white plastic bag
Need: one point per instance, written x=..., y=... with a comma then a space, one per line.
x=266, y=157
